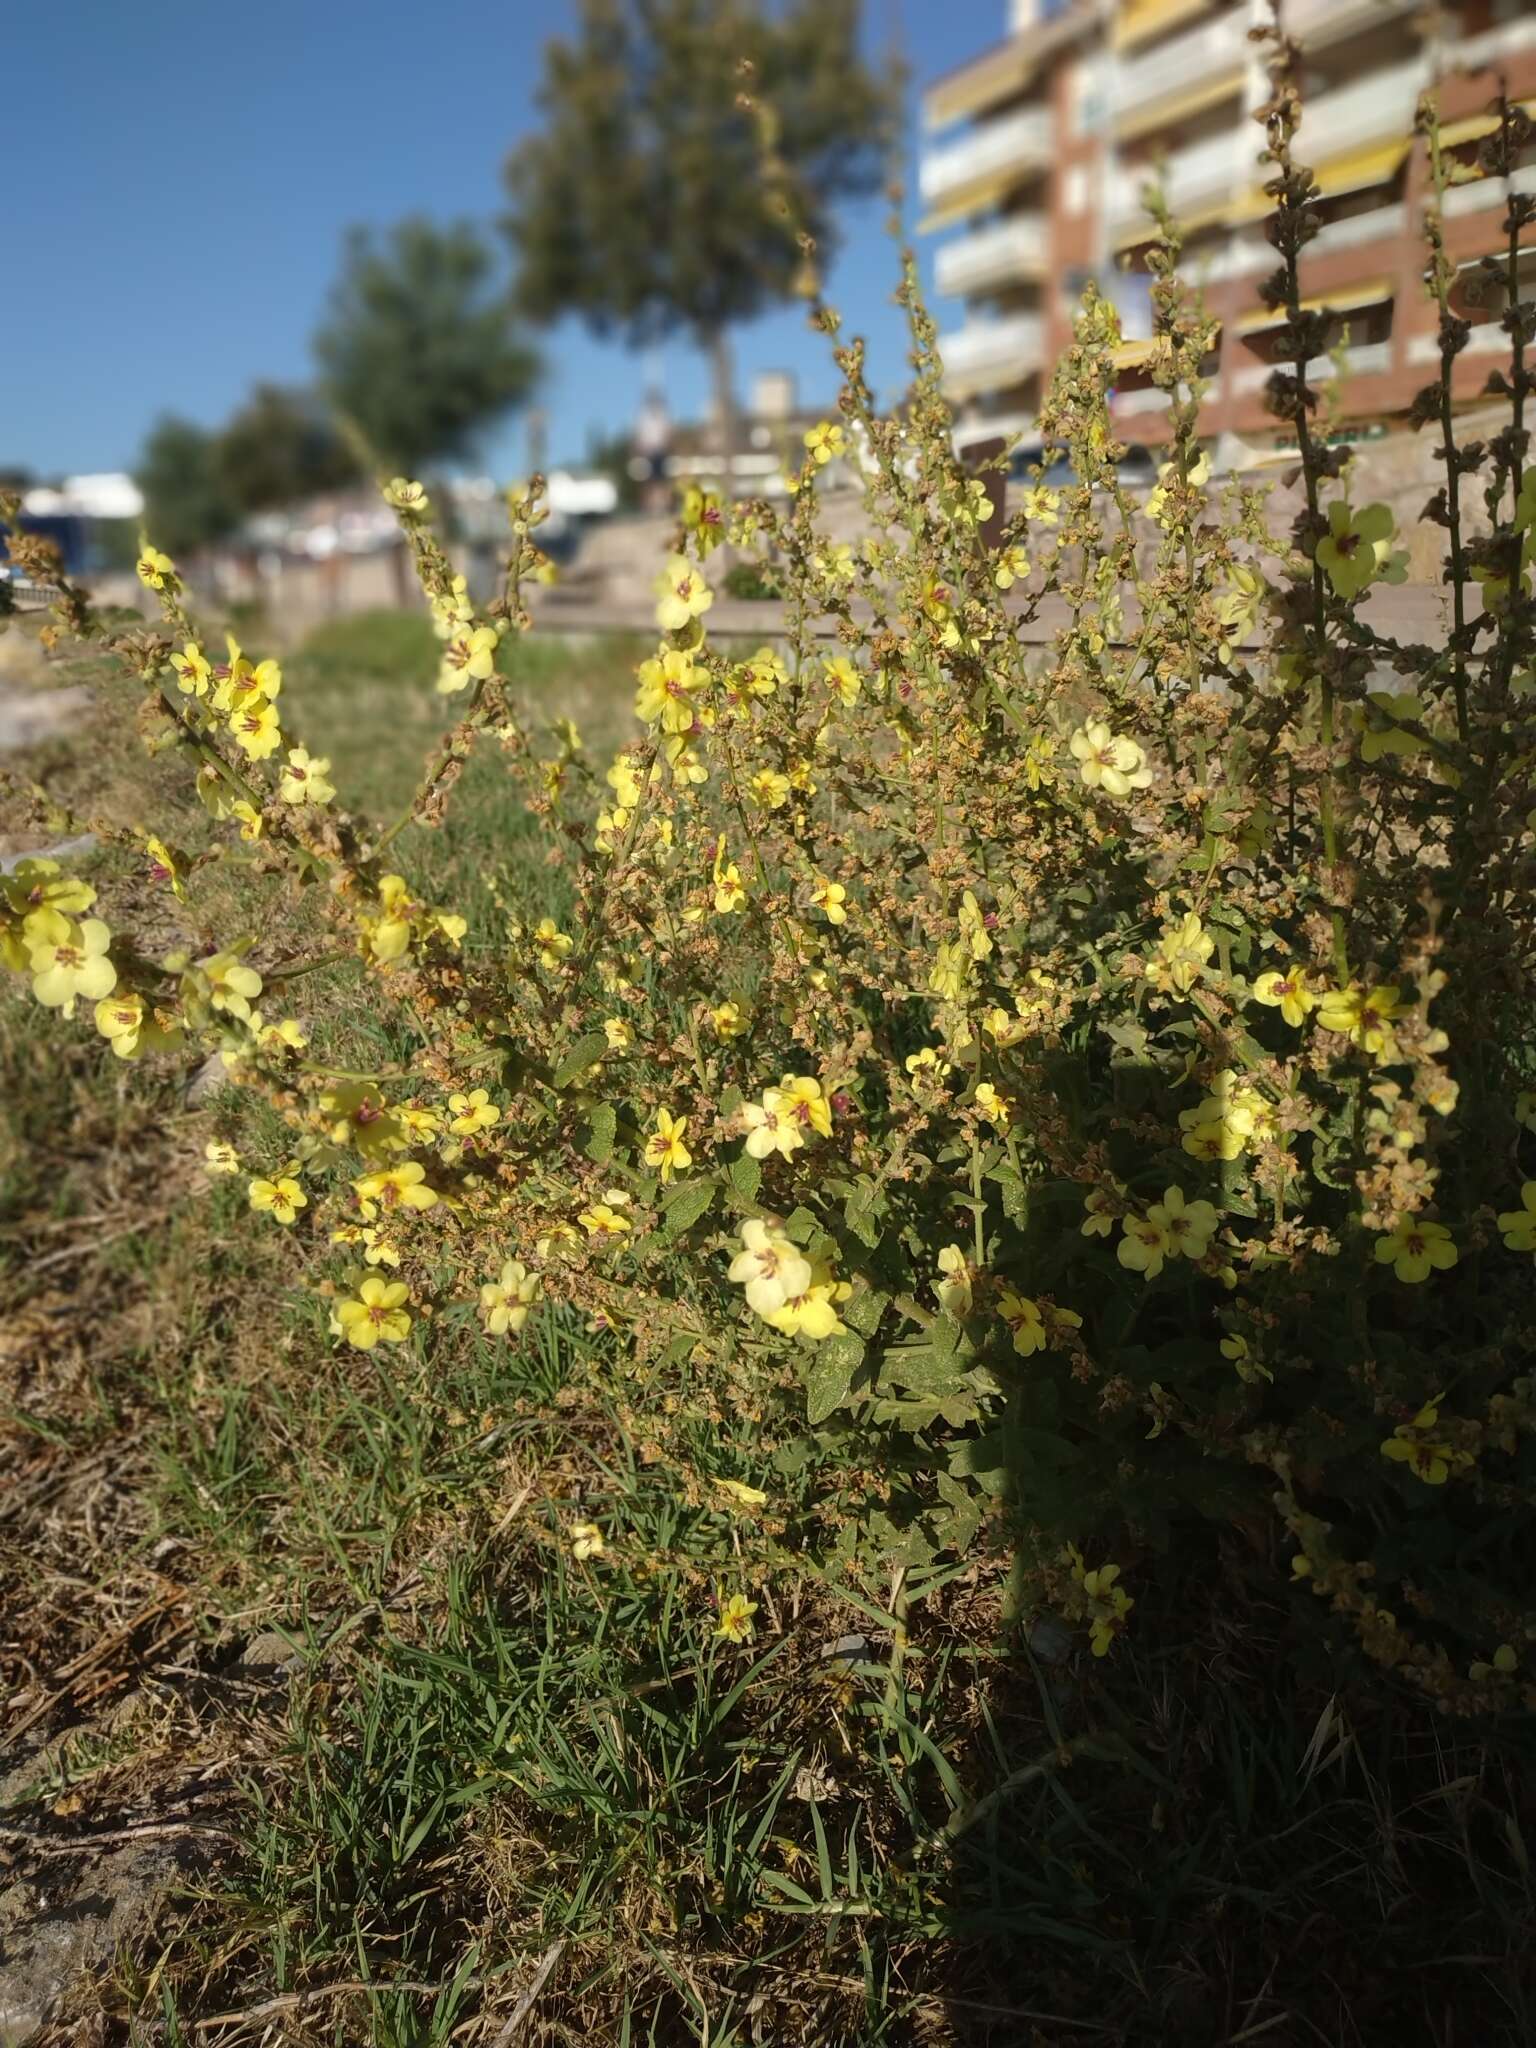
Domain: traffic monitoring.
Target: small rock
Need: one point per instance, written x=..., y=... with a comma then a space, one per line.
x=83, y=842
x=270, y=1651
x=210, y=1077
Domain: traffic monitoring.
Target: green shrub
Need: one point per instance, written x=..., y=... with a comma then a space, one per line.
x=1093, y=1089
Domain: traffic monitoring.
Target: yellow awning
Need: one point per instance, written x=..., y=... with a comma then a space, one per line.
x=1138, y=353
x=981, y=85
x=971, y=198
x=1136, y=20
x=1134, y=355
x=1356, y=172
x=1189, y=223
x=1476, y=126
x=1163, y=113
x=1362, y=168
x=1343, y=300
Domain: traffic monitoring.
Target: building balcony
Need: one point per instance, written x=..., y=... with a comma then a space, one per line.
x=1012, y=251
x=988, y=355
x=1377, y=110
x=978, y=168
x=1194, y=70
x=1199, y=181
x=1369, y=359
x=1323, y=21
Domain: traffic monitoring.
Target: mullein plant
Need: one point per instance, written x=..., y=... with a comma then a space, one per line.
x=1084, y=1089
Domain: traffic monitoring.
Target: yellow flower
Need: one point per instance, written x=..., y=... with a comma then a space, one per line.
x=304, y=780
x=394, y=1187
x=277, y=1040
x=664, y=1148
x=376, y=1250
x=927, y=1064
x=1288, y=993
x=603, y=1219
x=68, y=960
x=219, y=1156
x=1041, y=505
x=736, y=1612
x=728, y=1020
x=799, y=1097
x=230, y=983
x=668, y=682
x=993, y=1105
x=1182, y=952
x=193, y=670
x=281, y=1198
x=1518, y=1226
x=505, y=1301
x=825, y=440
x=682, y=593
x=1222, y=1125
x=1108, y=1605
x=1357, y=548
x=586, y=1541
x=973, y=926
x=553, y=944
x=251, y=820
x=240, y=686
x=1430, y=1457
x=812, y=1313
x=39, y=884
x=829, y=898
x=164, y=867
x=768, y=789
x=1381, y=720
x=255, y=729
x=844, y=678
x=770, y=1268
x=469, y=657
x=1011, y=565
x=956, y=1289
x=1101, y=1216
x=750, y=1497
x=619, y=1033
x=156, y=571
x=768, y=1130
x=472, y=1112
x=1415, y=1249
x=376, y=1314
x=1363, y=1016
x=1189, y=1226
x=1024, y=1320
x=730, y=896
x=1109, y=761
x=406, y=497
x=130, y=1026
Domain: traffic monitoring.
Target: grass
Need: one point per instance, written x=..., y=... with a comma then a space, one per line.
x=472, y=1762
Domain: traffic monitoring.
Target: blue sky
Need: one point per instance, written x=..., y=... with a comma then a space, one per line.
x=191, y=167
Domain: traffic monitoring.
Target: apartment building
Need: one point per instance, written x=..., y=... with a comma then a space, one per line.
x=1039, y=152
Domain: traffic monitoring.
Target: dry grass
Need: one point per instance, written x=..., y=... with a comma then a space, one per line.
x=486, y=1766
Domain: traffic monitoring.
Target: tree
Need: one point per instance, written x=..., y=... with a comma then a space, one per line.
x=280, y=448
x=641, y=204
x=186, y=506
x=419, y=351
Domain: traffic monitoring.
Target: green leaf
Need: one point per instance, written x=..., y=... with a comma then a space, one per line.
x=829, y=1379
x=746, y=1177
x=583, y=1054
x=605, y=1121
x=861, y=1213
x=680, y=1211
x=864, y=1311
